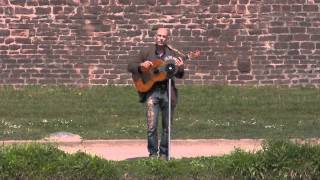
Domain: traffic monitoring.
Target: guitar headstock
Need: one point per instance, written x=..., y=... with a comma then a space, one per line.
x=193, y=54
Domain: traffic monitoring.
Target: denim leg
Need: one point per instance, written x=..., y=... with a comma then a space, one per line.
x=152, y=108
x=165, y=125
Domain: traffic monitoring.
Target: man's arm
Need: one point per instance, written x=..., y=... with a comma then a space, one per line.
x=180, y=68
x=134, y=64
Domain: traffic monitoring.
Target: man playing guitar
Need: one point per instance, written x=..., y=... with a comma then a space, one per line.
x=154, y=88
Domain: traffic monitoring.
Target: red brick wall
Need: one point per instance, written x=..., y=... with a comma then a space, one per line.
x=89, y=42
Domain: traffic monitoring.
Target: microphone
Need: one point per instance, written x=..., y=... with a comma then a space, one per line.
x=170, y=66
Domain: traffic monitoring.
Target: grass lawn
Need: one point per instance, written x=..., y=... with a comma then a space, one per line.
x=110, y=112
x=277, y=160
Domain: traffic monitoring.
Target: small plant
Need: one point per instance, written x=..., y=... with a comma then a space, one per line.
x=279, y=159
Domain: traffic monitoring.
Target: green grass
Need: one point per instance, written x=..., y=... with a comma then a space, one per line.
x=34, y=112
x=38, y=161
x=277, y=160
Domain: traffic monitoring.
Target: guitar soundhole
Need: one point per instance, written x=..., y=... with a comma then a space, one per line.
x=156, y=71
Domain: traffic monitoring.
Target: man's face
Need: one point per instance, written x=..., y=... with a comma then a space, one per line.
x=161, y=36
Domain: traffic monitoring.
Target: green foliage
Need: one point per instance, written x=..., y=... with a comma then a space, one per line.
x=110, y=112
x=279, y=159
x=46, y=161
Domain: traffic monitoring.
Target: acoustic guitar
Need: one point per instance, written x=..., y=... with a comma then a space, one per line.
x=157, y=72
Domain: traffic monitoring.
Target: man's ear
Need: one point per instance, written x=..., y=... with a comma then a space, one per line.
x=169, y=39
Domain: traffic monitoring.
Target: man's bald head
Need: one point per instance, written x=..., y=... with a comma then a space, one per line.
x=162, y=36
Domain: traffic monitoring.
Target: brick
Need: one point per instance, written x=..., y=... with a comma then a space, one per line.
x=267, y=38
x=58, y=2
x=310, y=8
x=221, y=2
x=245, y=77
x=269, y=43
x=18, y=32
x=4, y=32
x=281, y=2
x=240, y=9
x=293, y=52
x=205, y=2
x=305, y=24
x=171, y=10
x=294, y=45
x=301, y=37
x=144, y=2
x=165, y=2
x=255, y=32
x=57, y=10
x=307, y=45
x=243, y=1
x=275, y=77
x=22, y=10
x=285, y=8
x=14, y=47
x=279, y=30
x=4, y=2
x=282, y=37
x=265, y=9
x=296, y=8
x=44, y=2
x=276, y=8
x=244, y=65
x=281, y=45
x=227, y=9
x=4, y=47
x=43, y=10
x=184, y=32
x=96, y=9
x=297, y=1
x=297, y=29
x=23, y=40
x=124, y=2
x=72, y=2
x=253, y=8
x=18, y=2
x=32, y=3
x=315, y=37
x=47, y=81
x=15, y=81
x=9, y=41
x=175, y=2
x=313, y=30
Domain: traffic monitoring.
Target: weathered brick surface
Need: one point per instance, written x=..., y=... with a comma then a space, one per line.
x=89, y=42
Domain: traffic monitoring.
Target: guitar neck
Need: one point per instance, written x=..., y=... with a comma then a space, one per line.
x=185, y=56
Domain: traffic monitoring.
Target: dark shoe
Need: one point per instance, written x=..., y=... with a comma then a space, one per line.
x=163, y=157
x=153, y=156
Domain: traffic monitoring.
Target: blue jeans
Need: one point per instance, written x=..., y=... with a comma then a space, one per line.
x=157, y=102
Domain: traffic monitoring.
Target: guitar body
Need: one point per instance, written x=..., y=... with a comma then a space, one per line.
x=149, y=77
x=156, y=73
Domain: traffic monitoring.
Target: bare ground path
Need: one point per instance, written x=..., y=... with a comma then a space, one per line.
x=132, y=149
x=127, y=149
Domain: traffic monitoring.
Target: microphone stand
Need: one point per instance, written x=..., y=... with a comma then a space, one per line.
x=169, y=119
x=170, y=69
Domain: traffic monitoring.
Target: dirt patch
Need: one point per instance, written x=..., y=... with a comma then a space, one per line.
x=132, y=149
x=127, y=149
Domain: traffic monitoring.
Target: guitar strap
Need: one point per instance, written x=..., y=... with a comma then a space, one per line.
x=162, y=52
